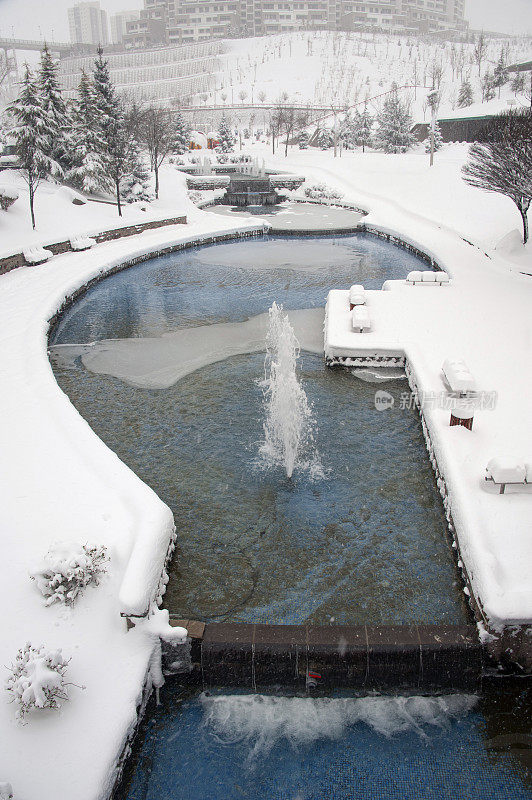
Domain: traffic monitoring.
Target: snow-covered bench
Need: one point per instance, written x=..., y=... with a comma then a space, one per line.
x=505, y=471
x=360, y=319
x=427, y=277
x=457, y=376
x=81, y=242
x=357, y=296
x=36, y=255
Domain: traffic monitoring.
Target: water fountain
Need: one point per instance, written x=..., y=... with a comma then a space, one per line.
x=288, y=424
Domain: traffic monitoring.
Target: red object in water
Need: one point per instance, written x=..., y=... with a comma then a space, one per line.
x=315, y=675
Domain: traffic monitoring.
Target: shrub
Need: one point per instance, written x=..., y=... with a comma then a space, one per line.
x=319, y=191
x=67, y=569
x=7, y=197
x=37, y=679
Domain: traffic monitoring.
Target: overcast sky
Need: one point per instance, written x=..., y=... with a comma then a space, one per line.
x=39, y=18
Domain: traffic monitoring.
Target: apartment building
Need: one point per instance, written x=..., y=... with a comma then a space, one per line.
x=88, y=24
x=119, y=24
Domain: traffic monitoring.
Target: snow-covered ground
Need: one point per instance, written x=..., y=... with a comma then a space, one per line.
x=60, y=482
x=324, y=68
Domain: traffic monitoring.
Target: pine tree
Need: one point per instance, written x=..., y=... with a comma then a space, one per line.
x=55, y=111
x=500, y=74
x=182, y=135
x=465, y=97
x=32, y=138
x=488, y=92
x=364, y=127
x=438, y=139
x=518, y=83
x=119, y=131
x=227, y=141
x=325, y=139
x=303, y=140
x=88, y=169
x=394, y=124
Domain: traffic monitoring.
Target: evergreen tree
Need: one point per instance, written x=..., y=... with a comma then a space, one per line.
x=438, y=139
x=518, y=83
x=303, y=140
x=488, y=92
x=465, y=97
x=394, y=124
x=325, y=139
x=88, y=170
x=500, y=74
x=119, y=131
x=364, y=125
x=32, y=138
x=182, y=135
x=225, y=135
x=55, y=110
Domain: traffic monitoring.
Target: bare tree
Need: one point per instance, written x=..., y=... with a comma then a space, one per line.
x=158, y=133
x=479, y=53
x=502, y=161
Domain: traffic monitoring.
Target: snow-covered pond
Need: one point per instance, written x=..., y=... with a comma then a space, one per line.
x=169, y=381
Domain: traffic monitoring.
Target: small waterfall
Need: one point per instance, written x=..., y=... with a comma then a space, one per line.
x=288, y=416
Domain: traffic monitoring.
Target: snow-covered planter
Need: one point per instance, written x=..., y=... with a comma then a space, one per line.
x=67, y=569
x=319, y=191
x=37, y=679
x=8, y=195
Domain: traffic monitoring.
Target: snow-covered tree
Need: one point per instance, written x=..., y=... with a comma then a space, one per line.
x=303, y=139
x=182, y=135
x=363, y=128
x=55, y=111
x=438, y=139
x=487, y=85
x=88, y=170
x=159, y=136
x=32, y=138
x=393, y=126
x=325, y=139
x=518, y=83
x=480, y=51
x=346, y=131
x=500, y=73
x=502, y=161
x=119, y=130
x=225, y=136
x=465, y=97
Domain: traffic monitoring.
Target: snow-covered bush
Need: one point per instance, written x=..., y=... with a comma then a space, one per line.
x=7, y=197
x=6, y=791
x=67, y=569
x=319, y=191
x=303, y=140
x=37, y=679
x=195, y=196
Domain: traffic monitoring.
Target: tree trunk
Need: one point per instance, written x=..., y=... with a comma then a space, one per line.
x=156, y=168
x=117, y=183
x=32, y=197
x=523, y=211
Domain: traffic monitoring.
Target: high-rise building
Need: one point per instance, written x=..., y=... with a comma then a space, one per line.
x=119, y=24
x=199, y=20
x=88, y=24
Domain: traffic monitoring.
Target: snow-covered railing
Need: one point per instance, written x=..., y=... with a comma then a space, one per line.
x=357, y=296
x=360, y=319
x=505, y=471
x=427, y=278
x=458, y=376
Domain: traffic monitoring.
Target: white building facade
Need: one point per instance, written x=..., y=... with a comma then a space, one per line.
x=88, y=24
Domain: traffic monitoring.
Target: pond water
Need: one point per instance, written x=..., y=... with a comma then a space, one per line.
x=223, y=747
x=363, y=542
